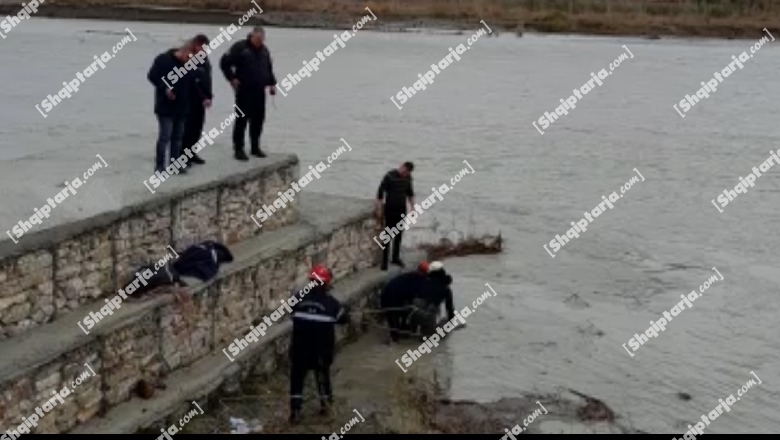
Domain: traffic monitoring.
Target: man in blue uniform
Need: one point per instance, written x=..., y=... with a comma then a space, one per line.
x=313, y=340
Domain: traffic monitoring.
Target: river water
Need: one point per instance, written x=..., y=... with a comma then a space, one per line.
x=556, y=323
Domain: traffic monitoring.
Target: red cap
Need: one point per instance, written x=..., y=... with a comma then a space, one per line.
x=423, y=266
x=321, y=273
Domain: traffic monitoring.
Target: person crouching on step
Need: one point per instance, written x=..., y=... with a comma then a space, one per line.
x=313, y=340
x=428, y=303
x=397, y=296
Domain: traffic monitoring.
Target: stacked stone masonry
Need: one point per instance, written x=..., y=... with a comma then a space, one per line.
x=40, y=285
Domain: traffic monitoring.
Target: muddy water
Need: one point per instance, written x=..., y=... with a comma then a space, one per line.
x=555, y=323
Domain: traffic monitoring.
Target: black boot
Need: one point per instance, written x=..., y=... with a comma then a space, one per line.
x=295, y=416
x=325, y=407
x=183, y=170
x=257, y=152
x=240, y=155
x=197, y=160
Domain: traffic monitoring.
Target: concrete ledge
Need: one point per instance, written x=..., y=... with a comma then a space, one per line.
x=77, y=262
x=207, y=375
x=47, y=236
x=25, y=352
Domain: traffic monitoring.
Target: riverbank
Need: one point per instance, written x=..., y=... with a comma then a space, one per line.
x=366, y=379
x=603, y=17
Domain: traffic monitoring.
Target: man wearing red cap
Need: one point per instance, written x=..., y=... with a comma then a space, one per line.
x=313, y=340
x=428, y=303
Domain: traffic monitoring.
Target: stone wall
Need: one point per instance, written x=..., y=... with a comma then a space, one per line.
x=272, y=359
x=22, y=395
x=177, y=334
x=73, y=267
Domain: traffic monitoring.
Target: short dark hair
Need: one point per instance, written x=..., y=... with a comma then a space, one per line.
x=200, y=39
x=409, y=166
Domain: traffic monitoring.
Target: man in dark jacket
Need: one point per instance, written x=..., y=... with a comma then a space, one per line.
x=200, y=99
x=313, y=340
x=248, y=68
x=396, y=187
x=427, y=305
x=397, y=296
x=170, y=104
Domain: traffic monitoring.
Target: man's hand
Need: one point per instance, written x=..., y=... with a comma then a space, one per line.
x=234, y=84
x=272, y=90
x=207, y=103
x=169, y=93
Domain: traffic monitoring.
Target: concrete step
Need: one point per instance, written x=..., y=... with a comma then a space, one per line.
x=90, y=248
x=151, y=337
x=207, y=375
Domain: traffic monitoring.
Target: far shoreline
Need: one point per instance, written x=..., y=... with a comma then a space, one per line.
x=560, y=24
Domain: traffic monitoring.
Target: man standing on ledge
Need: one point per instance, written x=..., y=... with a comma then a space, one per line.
x=395, y=189
x=170, y=104
x=248, y=68
x=200, y=98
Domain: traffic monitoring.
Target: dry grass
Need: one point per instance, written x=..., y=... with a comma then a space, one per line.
x=717, y=18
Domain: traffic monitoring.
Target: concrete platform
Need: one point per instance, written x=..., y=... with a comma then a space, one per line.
x=206, y=375
x=110, y=194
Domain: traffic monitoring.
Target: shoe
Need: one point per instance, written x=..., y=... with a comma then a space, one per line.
x=399, y=263
x=240, y=155
x=295, y=417
x=325, y=407
x=258, y=153
x=197, y=160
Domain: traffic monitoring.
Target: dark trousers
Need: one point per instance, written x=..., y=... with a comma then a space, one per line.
x=169, y=139
x=253, y=106
x=194, y=125
x=300, y=366
x=392, y=217
x=395, y=320
x=424, y=317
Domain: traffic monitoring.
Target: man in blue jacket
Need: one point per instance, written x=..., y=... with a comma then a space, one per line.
x=314, y=340
x=170, y=104
x=247, y=66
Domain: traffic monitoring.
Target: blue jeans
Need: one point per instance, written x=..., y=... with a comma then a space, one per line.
x=169, y=139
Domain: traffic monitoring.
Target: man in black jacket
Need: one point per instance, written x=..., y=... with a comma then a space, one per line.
x=200, y=99
x=396, y=187
x=314, y=340
x=170, y=104
x=427, y=304
x=397, y=296
x=248, y=68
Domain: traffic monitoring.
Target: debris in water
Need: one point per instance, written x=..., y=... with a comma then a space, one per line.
x=576, y=302
x=485, y=245
x=684, y=396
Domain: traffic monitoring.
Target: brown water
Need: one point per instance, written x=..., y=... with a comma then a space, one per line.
x=660, y=240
